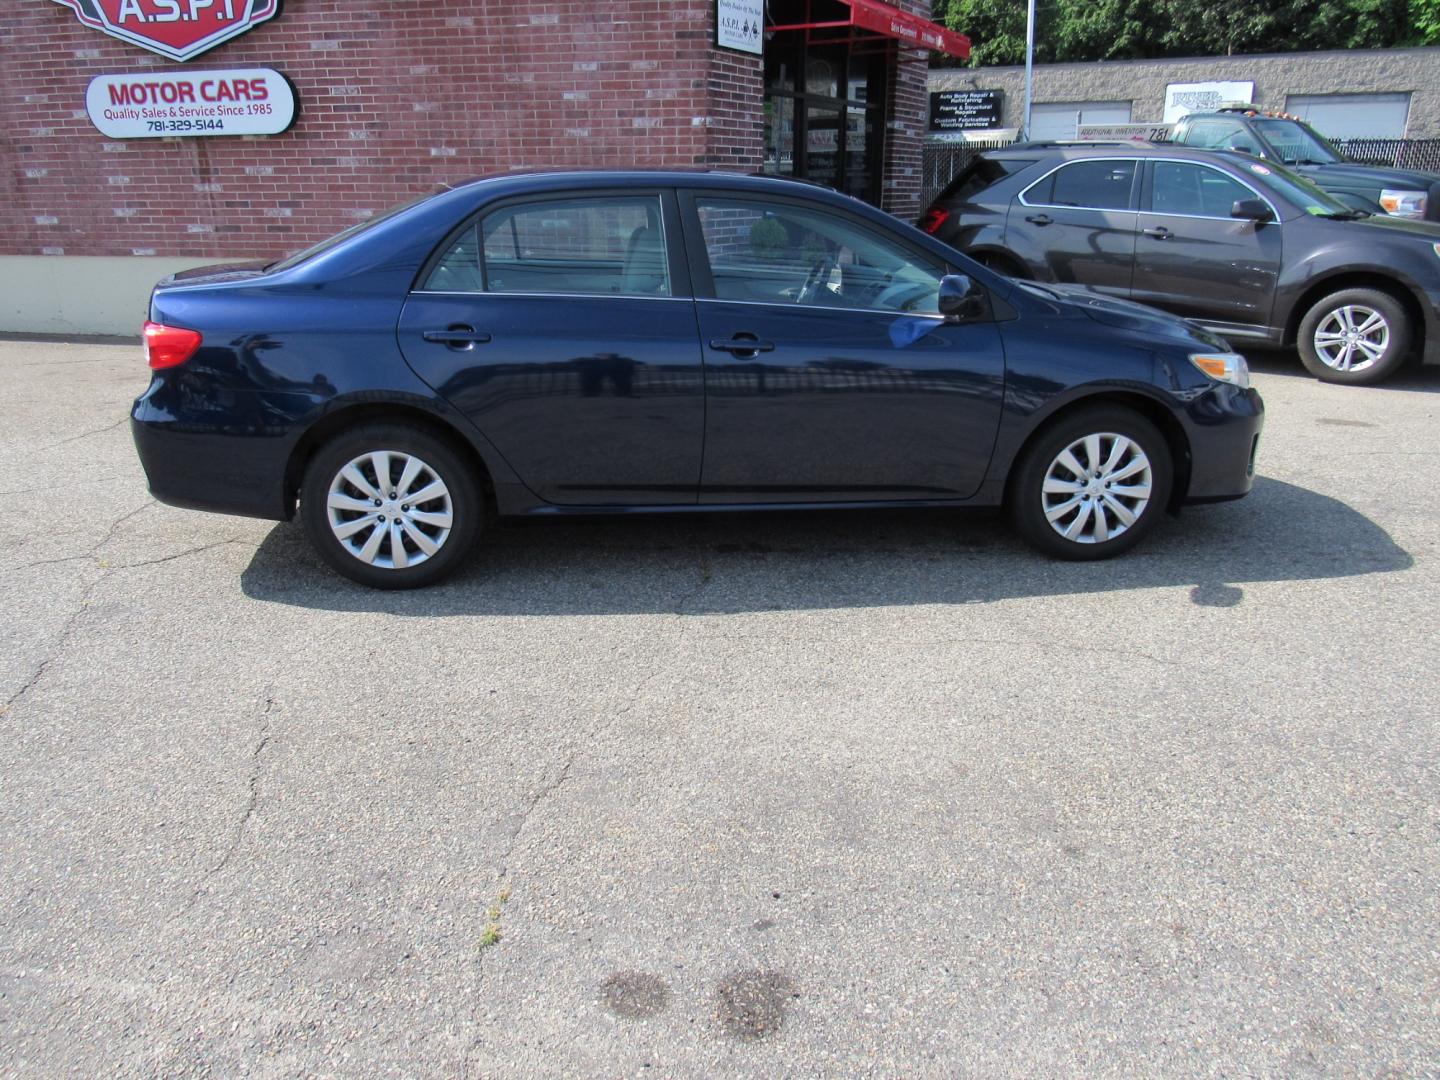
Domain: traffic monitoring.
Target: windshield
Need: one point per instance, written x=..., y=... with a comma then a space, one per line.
x=354, y=230
x=1295, y=188
x=1297, y=143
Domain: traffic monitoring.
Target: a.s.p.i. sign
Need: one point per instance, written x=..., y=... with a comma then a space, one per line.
x=179, y=29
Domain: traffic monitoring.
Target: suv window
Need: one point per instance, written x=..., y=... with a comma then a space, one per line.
x=1092, y=185
x=776, y=253
x=981, y=173
x=577, y=246
x=1217, y=134
x=1179, y=187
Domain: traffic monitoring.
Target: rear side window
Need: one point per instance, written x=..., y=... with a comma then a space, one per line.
x=1215, y=134
x=595, y=246
x=980, y=174
x=1091, y=185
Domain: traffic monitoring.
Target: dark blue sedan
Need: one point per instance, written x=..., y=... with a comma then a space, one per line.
x=611, y=342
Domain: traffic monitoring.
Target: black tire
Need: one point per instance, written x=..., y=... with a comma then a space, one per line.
x=1330, y=315
x=1029, y=503
x=438, y=460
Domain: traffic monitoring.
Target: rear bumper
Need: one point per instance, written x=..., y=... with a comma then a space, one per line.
x=203, y=460
x=1223, y=426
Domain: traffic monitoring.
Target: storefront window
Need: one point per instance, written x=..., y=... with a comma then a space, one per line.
x=829, y=128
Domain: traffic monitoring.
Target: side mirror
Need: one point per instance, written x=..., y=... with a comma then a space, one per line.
x=960, y=298
x=1243, y=148
x=1252, y=210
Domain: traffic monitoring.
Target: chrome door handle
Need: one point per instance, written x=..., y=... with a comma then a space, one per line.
x=743, y=345
x=457, y=336
x=1159, y=232
x=1040, y=219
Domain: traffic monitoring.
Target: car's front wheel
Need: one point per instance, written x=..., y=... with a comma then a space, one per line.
x=1355, y=336
x=390, y=506
x=1092, y=485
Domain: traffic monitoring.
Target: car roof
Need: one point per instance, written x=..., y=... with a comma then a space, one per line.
x=1082, y=151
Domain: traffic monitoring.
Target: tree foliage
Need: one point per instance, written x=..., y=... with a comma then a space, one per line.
x=1075, y=30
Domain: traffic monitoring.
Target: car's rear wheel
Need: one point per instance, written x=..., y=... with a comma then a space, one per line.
x=1355, y=336
x=390, y=506
x=1092, y=485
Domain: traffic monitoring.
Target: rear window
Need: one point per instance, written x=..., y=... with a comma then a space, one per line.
x=980, y=174
x=340, y=237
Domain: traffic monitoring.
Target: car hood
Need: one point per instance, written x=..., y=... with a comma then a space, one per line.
x=1346, y=171
x=1428, y=231
x=1126, y=314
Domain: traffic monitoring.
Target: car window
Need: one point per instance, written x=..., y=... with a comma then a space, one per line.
x=1178, y=187
x=1297, y=144
x=1092, y=185
x=776, y=253
x=1217, y=134
x=589, y=246
x=981, y=174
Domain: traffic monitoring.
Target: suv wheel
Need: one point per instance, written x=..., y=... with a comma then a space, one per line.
x=390, y=506
x=1092, y=485
x=1355, y=336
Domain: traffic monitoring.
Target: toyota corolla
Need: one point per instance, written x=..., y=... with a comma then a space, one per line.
x=621, y=342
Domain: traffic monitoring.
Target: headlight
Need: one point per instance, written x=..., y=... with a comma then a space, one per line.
x=1403, y=203
x=1226, y=367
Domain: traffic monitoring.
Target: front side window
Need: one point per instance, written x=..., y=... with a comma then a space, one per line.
x=780, y=254
x=1194, y=190
x=580, y=246
x=1216, y=134
x=1090, y=185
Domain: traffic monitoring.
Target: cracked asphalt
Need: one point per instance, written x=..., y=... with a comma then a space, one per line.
x=868, y=795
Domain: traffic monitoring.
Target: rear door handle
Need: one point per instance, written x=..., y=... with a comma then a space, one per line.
x=1040, y=219
x=457, y=336
x=1159, y=232
x=743, y=345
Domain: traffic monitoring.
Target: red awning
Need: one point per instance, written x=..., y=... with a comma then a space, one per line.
x=881, y=18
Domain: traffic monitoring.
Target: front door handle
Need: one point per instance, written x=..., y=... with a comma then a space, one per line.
x=743, y=345
x=1040, y=219
x=457, y=336
x=1159, y=232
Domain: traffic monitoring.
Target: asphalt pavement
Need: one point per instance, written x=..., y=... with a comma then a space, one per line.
x=877, y=794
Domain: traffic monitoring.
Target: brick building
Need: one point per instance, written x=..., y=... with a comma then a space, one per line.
x=395, y=97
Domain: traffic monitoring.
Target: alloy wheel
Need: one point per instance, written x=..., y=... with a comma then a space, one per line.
x=1352, y=338
x=1097, y=488
x=389, y=509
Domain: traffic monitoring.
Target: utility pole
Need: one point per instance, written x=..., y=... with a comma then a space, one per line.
x=1029, y=66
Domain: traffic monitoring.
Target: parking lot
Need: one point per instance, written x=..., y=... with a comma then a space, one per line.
x=875, y=794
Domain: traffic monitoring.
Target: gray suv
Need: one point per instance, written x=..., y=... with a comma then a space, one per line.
x=1246, y=248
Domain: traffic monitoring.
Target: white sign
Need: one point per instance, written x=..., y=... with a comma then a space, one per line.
x=1123, y=133
x=739, y=24
x=1181, y=99
x=164, y=104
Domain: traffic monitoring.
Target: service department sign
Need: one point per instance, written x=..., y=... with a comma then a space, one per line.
x=154, y=105
x=179, y=29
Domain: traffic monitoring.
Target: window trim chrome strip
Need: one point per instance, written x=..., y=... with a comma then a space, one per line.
x=1158, y=213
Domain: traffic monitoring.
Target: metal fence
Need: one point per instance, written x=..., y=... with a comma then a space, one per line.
x=1398, y=153
x=942, y=162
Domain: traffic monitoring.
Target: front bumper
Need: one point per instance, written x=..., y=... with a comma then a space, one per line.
x=1223, y=426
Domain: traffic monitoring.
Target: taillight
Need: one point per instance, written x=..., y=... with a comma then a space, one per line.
x=167, y=346
x=934, y=218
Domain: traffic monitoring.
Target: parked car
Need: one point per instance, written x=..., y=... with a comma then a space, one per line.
x=594, y=343
x=1247, y=248
x=1408, y=193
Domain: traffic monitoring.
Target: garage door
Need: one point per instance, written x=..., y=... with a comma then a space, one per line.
x=1058, y=120
x=1353, y=116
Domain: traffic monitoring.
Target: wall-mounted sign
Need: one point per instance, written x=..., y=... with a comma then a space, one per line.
x=965, y=110
x=739, y=24
x=154, y=105
x=1181, y=99
x=179, y=29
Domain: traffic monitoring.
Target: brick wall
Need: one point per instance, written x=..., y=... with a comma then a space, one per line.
x=394, y=97
x=905, y=127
